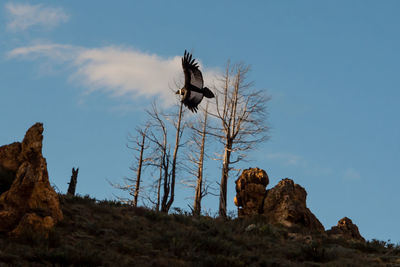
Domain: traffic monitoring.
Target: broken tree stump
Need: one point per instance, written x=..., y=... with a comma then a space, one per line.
x=72, y=182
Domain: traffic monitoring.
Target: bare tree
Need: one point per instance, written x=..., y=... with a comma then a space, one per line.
x=133, y=185
x=196, y=156
x=241, y=111
x=177, y=122
x=140, y=146
x=158, y=136
x=164, y=161
x=199, y=187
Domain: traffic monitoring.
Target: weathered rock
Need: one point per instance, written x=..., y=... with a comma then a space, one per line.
x=30, y=203
x=345, y=229
x=250, y=191
x=31, y=147
x=9, y=164
x=286, y=204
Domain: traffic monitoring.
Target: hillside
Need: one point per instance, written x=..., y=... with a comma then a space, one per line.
x=39, y=227
x=106, y=233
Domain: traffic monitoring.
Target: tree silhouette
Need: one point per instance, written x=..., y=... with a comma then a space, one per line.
x=241, y=112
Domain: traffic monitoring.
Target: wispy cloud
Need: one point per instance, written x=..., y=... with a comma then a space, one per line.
x=56, y=52
x=24, y=16
x=119, y=71
x=125, y=71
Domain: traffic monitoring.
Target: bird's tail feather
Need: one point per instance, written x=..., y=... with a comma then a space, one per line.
x=208, y=93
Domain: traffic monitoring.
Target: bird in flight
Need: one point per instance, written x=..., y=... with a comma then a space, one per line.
x=193, y=91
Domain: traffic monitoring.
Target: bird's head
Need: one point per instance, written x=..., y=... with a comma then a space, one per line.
x=180, y=92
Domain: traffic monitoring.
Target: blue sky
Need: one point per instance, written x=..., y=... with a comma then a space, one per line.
x=88, y=69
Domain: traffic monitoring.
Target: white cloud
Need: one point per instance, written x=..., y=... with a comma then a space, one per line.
x=119, y=71
x=125, y=71
x=24, y=16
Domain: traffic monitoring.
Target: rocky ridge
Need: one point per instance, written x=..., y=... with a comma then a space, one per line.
x=284, y=204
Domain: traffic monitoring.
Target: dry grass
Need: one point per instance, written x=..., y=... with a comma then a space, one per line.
x=108, y=233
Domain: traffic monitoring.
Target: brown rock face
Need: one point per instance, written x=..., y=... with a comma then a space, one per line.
x=250, y=191
x=286, y=204
x=30, y=202
x=9, y=163
x=346, y=229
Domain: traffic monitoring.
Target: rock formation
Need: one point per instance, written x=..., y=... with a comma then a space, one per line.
x=9, y=164
x=30, y=203
x=346, y=229
x=250, y=191
x=284, y=204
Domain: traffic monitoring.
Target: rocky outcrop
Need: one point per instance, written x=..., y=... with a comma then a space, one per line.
x=284, y=204
x=250, y=191
x=345, y=229
x=30, y=203
x=9, y=164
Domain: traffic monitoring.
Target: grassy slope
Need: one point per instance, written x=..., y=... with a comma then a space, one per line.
x=109, y=234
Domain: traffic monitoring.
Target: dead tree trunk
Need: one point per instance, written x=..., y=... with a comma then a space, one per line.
x=72, y=183
x=174, y=159
x=139, y=170
x=159, y=187
x=224, y=179
x=199, y=185
x=167, y=185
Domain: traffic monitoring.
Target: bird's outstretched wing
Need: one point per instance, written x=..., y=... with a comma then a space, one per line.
x=193, y=100
x=192, y=73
